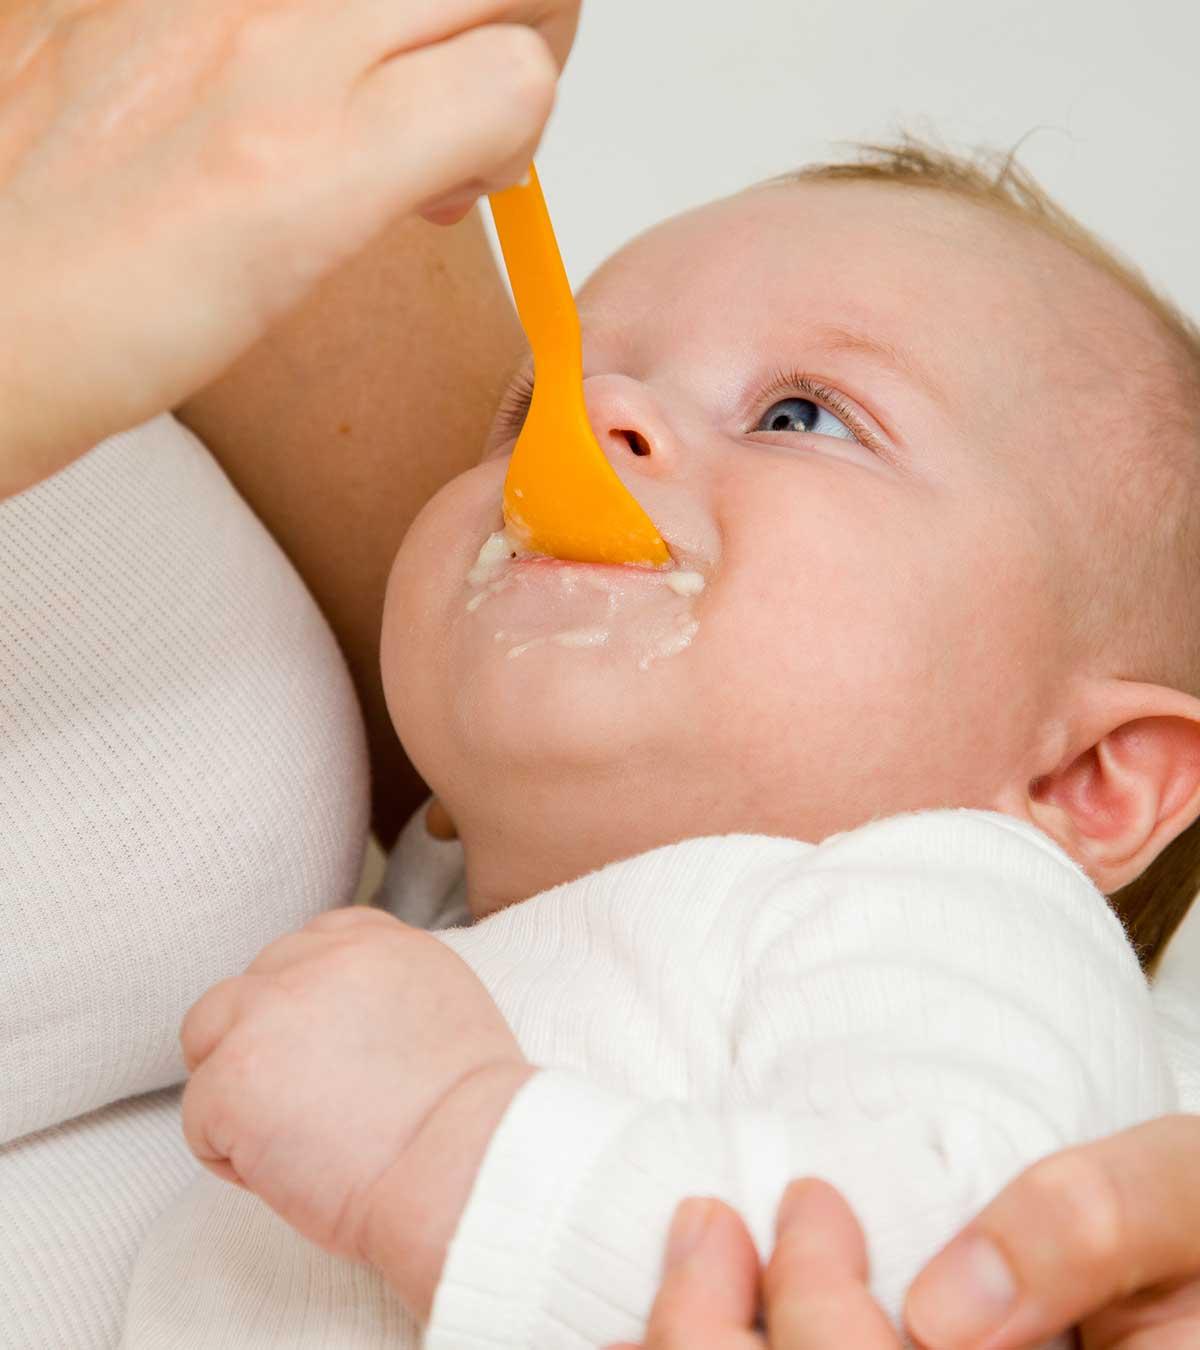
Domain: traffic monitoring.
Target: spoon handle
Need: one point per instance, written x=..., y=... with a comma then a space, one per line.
x=539, y=280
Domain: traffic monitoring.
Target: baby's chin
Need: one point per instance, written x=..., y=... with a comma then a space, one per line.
x=523, y=665
x=477, y=724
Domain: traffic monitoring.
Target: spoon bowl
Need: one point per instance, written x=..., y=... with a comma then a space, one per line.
x=562, y=497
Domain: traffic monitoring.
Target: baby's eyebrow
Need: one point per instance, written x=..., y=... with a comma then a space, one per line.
x=837, y=338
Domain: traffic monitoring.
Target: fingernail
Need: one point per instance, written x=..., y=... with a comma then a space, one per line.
x=967, y=1291
x=687, y=1229
x=448, y=209
x=461, y=198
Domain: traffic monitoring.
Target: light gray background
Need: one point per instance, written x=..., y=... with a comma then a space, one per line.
x=669, y=103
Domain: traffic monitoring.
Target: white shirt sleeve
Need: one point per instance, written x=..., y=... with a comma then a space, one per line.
x=1177, y=1000
x=932, y=1002
x=424, y=883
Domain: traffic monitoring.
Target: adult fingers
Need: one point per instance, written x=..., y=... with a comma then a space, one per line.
x=465, y=112
x=381, y=28
x=1165, y=1318
x=709, y=1291
x=1071, y=1235
x=815, y=1284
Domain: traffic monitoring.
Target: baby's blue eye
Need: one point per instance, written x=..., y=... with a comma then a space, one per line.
x=802, y=414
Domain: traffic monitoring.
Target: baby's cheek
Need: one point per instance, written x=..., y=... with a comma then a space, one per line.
x=399, y=653
x=838, y=646
x=416, y=605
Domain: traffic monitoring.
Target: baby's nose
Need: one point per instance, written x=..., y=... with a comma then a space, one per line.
x=629, y=424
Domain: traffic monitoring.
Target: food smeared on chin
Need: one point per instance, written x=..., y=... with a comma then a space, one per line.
x=551, y=602
x=497, y=549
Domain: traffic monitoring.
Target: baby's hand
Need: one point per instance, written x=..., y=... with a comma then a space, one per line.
x=314, y=1071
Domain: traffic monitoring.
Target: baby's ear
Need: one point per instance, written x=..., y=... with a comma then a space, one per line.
x=1131, y=783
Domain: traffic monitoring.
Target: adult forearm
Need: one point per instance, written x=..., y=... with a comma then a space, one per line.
x=60, y=391
x=33, y=444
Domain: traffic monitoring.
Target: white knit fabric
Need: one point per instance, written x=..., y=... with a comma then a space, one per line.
x=1177, y=1002
x=914, y=1010
x=182, y=779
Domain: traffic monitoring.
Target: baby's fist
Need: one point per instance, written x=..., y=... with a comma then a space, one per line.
x=313, y=1071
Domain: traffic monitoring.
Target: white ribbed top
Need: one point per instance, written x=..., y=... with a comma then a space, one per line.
x=182, y=778
x=914, y=1010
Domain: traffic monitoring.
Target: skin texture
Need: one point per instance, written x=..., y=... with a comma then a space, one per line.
x=885, y=627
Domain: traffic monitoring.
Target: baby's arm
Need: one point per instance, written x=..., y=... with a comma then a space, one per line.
x=944, y=1001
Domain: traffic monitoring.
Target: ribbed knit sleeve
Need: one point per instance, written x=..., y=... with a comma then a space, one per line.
x=182, y=766
x=1177, y=1003
x=183, y=779
x=76, y=1202
x=930, y=1003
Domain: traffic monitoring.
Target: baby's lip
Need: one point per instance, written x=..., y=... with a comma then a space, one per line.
x=684, y=558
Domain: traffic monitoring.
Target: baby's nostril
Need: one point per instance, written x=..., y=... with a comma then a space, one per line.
x=638, y=444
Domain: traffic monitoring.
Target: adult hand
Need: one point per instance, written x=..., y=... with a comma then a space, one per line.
x=1106, y=1234
x=813, y=1291
x=175, y=174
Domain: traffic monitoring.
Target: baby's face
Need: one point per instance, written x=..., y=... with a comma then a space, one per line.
x=858, y=411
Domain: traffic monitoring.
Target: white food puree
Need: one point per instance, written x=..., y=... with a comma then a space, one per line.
x=550, y=602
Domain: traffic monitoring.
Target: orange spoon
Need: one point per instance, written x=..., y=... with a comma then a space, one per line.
x=561, y=496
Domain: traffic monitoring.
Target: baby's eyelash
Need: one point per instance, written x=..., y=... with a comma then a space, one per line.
x=795, y=382
x=514, y=406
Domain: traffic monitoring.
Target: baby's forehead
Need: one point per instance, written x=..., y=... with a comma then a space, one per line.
x=922, y=261
x=1009, y=322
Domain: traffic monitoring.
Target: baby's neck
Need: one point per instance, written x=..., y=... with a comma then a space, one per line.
x=503, y=871
x=515, y=853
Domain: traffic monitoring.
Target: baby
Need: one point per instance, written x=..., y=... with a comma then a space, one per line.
x=712, y=861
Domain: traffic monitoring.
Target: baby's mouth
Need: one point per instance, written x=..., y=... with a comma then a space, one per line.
x=501, y=552
x=647, y=611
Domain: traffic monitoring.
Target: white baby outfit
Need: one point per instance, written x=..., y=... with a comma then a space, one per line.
x=914, y=1010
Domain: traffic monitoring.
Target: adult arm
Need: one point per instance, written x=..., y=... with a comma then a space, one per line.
x=348, y=416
